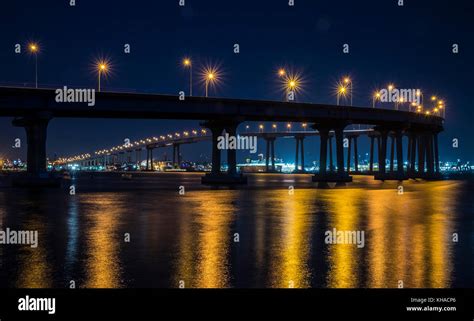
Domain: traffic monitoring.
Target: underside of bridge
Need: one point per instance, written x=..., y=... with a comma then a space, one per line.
x=33, y=109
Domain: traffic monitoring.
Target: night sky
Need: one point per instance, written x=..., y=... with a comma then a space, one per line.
x=410, y=46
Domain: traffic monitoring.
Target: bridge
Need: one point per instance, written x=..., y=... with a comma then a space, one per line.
x=32, y=109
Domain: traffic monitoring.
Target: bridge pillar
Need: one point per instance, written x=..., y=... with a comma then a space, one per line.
x=149, y=158
x=392, y=152
x=272, y=142
x=349, y=154
x=399, y=141
x=36, y=133
x=216, y=177
x=176, y=156
x=412, y=159
x=356, y=155
x=323, y=177
x=331, y=163
x=382, y=154
x=371, y=156
x=299, y=153
x=138, y=157
x=270, y=153
x=231, y=153
x=352, y=139
x=429, y=154
x=421, y=155
x=436, y=155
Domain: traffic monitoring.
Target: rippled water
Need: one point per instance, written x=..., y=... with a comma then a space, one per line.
x=191, y=238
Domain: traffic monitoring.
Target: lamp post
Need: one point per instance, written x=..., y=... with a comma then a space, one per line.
x=341, y=91
x=187, y=63
x=375, y=97
x=102, y=68
x=348, y=82
x=34, y=49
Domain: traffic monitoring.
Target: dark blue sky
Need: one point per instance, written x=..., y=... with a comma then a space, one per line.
x=409, y=46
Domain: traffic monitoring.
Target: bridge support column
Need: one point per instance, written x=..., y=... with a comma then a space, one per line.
x=323, y=177
x=412, y=160
x=216, y=177
x=272, y=141
x=436, y=155
x=399, y=141
x=36, y=134
x=349, y=154
x=352, y=140
x=149, y=159
x=429, y=154
x=299, y=153
x=421, y=155
x=331, y=163
x=392, y=152
x=231, y=153
x=138, y=157
x=356, y=155
x=36, y=126
x=371, y=156
x=382, y=154
x=270, y=154
x=176, y=156
x=396, y=137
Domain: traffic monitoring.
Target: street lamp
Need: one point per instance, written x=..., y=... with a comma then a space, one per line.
x=102, y=68
x=260, y=127
x=187, y=64
x=210, y=76
x=375, y=97
x=288, y=126
x=341, y=91
x=34, y=49
x=348, y=82
x=290, y=83
x=274, y=126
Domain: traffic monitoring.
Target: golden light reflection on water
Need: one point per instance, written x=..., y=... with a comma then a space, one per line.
x=204, y=244
x=34, y=270
x=344, y=210
x=291, y=239
x=102, y=263
x=407, y=237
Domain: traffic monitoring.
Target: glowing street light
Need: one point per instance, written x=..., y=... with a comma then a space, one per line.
x=187, y=64
x=274, y=126
x=290, y=83
x=288, y=126
x=34, y=49
x=281, y=72
x=210, y=76
x=375, y=97
x=341, y=91
x=348, y=82
x=102, y=68
x=260, y=127
x=304, y=125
